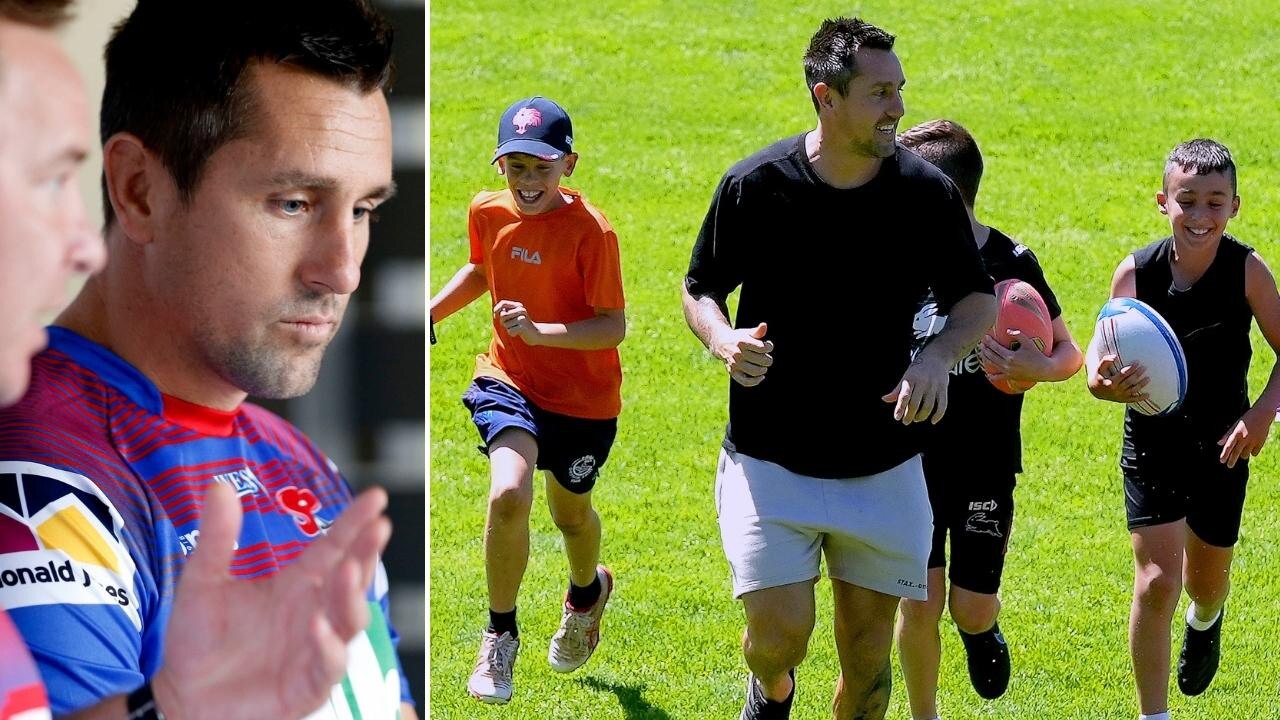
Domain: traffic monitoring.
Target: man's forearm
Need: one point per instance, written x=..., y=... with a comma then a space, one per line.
x=968, y=320
x=706, y=315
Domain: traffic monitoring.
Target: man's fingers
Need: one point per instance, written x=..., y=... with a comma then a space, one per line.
x=902, y=401
x=347, y=608
x=927, y=403
x=757, y=357
x=219, y=528
x=940, y=409
x=367, y=549
x=325, y=664
x=745, y=380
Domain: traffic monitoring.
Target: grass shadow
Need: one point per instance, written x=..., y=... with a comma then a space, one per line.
x=631, y=698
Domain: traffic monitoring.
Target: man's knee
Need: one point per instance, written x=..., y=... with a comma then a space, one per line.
x=780, y=636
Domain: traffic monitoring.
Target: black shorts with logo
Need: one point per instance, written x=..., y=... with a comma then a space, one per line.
x=975, y=507
x=1185, y=479
x=572, y=449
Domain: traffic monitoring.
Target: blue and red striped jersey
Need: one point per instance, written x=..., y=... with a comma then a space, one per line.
x=101, y=481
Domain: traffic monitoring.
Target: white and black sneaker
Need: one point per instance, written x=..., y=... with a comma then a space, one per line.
x=758, y=707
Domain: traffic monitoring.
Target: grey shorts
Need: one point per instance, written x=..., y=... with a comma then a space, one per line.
x=875, y=530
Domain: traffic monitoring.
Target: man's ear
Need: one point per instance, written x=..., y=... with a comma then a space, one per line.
x=131, y=170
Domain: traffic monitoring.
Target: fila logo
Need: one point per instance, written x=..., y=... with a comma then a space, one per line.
x=519, y=253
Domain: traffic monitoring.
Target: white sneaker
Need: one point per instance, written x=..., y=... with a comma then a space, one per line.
x=491, y=680
x=579, y=632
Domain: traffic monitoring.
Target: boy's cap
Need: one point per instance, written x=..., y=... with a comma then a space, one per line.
x=536, y=126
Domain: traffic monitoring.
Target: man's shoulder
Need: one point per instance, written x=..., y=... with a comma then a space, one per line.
x=780, y=153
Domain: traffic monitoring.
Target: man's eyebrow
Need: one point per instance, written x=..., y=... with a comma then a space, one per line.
x=309, y=181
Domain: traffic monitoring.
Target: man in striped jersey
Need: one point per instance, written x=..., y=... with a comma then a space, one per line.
x=240, y=173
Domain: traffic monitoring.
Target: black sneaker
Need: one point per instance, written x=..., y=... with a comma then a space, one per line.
x=988, y=657
x=1198, y=661
x=758, y=707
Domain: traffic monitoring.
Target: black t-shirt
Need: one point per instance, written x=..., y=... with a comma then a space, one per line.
x=982, y=426
x=836, y=275
x=1212, y=321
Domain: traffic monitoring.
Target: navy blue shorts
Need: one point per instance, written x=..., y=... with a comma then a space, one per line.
x=572, y=449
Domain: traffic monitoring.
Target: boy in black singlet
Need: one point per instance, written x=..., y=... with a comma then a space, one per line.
x=1185, y=472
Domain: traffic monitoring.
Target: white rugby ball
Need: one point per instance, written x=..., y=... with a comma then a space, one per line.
x=1134, y=332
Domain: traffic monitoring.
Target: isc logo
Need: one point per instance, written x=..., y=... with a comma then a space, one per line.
x=533, y=258
x=988, y=505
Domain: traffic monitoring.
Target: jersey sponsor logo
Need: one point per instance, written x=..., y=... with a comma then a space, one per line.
x=928, y=323
x=980, y=523
x=582, y=468
x=302, y=505
x=523, y=255
x=61, y=542
x=983, y=505
x=969, y=364
x=526, y=118
x=371, y=688
x=243, y=481
x=189, y=540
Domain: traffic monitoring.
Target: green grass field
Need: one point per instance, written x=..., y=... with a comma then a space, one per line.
x=1075, y=106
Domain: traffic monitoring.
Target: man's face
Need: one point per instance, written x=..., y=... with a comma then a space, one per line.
x=256, y=271
x=865, y=119
x=44, y=234
x=1198, y=206
x=534, y=182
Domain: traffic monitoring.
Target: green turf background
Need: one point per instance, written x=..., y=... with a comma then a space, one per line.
x=1074, y=104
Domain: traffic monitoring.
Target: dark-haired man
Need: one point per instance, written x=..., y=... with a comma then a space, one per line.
x=833, y=231
x=241, y=172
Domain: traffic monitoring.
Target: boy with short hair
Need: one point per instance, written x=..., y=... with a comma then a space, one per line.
x=1185, y=472
x=975, y=452
x=547, y=394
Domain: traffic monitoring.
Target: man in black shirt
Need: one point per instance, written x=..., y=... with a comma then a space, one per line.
x=833, y=236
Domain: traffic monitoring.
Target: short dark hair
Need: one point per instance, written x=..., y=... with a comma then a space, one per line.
x=177, y=72
x=40, y=13
x=1201, y=157
x=952, y=150
x=830, y=56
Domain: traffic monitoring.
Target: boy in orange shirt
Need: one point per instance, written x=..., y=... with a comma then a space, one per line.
x=547, y=394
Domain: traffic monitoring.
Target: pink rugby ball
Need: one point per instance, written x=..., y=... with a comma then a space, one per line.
x=1020, y=308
